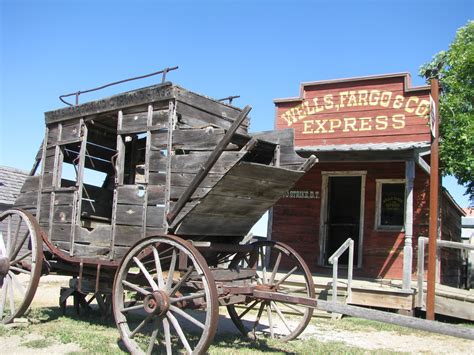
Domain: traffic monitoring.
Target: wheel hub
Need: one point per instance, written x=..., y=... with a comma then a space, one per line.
x=4, y=266
x=157, y=303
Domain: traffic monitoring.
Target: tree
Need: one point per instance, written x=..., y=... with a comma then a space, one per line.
x=455, y=70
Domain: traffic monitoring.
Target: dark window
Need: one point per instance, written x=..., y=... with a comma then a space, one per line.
x=392, y=204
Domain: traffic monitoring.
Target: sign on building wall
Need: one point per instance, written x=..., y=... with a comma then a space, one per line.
x=380, y=109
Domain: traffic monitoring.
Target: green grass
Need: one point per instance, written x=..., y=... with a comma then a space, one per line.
x=37, y=343
x=94, y=334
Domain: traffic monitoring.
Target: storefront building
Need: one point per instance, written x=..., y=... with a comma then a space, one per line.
x=371, y=136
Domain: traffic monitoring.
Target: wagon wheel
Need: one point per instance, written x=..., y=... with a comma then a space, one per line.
x=165, y=298
x=274, y=263
x=21, y=258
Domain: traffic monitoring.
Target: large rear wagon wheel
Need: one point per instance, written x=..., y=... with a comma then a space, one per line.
x=165, y=298
x=278, y=268
x=21, y=257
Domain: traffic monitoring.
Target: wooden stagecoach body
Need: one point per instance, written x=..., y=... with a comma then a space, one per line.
x=157, y=188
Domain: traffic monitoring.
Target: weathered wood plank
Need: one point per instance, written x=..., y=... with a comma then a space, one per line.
x=53, y=134
x=129, y=215
x=266, y=173
x=155, y=216
x=27, y=199
x=31, y=184
x=156, y=195
x=224, y=206
x=70, y=131
x=193, y=117
x=137, y=122
x=158, y=161
x=183, y=180
x=62, y=214
x=159, y=139
x=191, y=163
x=131, y=195
x=127, y=235
x=61, y=232
x=199, y=139
x=162, y=92
x=177, y=191
x=99, y=236
x=64, y=198
x=224, y=112
x=250, y=188
x=156, y=178
x=195, y=224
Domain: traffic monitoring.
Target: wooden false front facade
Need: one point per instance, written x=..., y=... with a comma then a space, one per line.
x=371, y=136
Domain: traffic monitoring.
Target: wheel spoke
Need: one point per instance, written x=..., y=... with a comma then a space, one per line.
x=280, y=314
x=187, y=298
x=135, y=287
x=287, y=275
x=259, y=315
x=21, y=258
x=3, y=297
x=275, y=269
x=17, y=284
x=12, y=297
x=159, y=271
x=187, y=316
x=17, y=269
x=18, y=246
x=248, y=309
x=169, y=281
x=17, y=231
x=264, y=265
x=3, y=250
x=181, y=282
x=131, y=308
x=180, y=332
x=270, y=321
x=293, y=308
x=9, y=234
x=166, y=329
x=145, y=272
x=141, y=325
x=153, y=338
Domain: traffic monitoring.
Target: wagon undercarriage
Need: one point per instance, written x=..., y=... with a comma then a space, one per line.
x=145, y=199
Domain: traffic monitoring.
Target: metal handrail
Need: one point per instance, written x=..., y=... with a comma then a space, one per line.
x=422, y=241
x=77, y=93
x=334, y=260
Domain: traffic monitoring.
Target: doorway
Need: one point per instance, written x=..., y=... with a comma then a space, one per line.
x=342, y=212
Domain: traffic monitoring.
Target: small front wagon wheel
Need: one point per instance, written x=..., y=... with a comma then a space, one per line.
x=21, y=257
x=165, y=298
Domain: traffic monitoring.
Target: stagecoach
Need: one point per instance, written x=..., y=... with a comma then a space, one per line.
x=146, y=199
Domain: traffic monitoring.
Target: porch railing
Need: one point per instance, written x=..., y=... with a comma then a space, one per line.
x=334, y=261
x=422, y=241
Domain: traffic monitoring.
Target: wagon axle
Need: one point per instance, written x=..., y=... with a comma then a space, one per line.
x=157, y=303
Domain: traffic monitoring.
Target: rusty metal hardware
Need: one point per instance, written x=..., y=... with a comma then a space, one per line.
x=77, y=93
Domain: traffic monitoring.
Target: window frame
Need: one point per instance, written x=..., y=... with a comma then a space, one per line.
x=378, y=206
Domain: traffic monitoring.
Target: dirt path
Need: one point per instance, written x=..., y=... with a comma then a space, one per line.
x=371, y=340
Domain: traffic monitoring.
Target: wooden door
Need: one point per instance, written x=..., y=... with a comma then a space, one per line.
x=343, y=215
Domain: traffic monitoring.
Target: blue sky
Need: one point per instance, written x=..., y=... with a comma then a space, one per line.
x=260, y=50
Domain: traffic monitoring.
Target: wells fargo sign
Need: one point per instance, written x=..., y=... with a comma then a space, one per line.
x=379, y=109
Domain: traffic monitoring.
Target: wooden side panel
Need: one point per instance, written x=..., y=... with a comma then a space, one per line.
x=238, y=200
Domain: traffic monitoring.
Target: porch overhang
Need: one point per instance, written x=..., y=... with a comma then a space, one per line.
x=369, y=152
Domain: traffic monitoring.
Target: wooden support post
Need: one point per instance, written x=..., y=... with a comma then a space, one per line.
x=408, y=248
x=434, y=209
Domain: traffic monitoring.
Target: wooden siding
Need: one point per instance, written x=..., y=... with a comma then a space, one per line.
x=296, y=221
